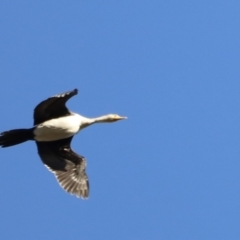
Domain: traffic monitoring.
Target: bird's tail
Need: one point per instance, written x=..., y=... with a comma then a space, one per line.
x=16, y=136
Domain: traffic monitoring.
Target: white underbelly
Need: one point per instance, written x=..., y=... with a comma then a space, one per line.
x=56, y=129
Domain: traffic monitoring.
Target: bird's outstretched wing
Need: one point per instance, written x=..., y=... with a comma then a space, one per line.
x=53, y=107
x=68, y=167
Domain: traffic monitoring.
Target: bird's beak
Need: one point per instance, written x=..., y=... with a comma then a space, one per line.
x=120, y=118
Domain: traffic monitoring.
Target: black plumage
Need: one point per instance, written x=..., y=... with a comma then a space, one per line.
x=68, y=167
x=53, y=107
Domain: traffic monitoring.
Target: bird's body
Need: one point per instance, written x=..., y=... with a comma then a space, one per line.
x=58, y=128
x=54, y=128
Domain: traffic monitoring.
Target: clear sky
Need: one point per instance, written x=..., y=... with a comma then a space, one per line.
x=169, y=172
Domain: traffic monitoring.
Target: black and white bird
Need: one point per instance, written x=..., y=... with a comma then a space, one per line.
x=54, y=128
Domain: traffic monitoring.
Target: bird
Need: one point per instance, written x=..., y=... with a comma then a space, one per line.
x=53, y=130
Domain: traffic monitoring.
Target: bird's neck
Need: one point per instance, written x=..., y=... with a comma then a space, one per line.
x=101, y=119
x=85, y=122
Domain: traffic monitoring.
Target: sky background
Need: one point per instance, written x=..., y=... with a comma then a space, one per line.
x=169, y=172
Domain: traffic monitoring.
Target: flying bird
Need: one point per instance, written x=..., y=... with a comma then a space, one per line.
x=53, y=130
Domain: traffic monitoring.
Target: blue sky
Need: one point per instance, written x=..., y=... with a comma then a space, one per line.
x=172, y=170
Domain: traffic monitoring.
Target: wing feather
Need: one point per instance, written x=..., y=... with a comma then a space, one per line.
x=53, y=107
x=67, y=166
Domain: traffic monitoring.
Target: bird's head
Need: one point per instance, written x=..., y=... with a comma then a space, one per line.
x=114, y=117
